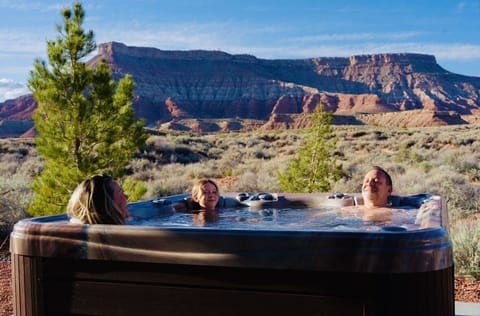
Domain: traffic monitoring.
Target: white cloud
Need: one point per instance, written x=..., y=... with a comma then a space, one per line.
x=458, y=52
x=225, y=37
x=356, y=37
x=31, y=5
x=11, y=90
x=23, y=42
x=461, y=6
x=467, y=7
x=174, y=37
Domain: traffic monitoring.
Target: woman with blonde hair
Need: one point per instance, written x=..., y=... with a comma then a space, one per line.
x=205, y=197
x=98, y=200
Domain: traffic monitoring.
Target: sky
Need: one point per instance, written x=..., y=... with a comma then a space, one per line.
x=268, y=29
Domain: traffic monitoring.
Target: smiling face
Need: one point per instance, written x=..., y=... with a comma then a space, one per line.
x=376, y=189
x=207, y=197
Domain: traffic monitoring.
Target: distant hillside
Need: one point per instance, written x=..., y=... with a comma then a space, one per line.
x=178, y=85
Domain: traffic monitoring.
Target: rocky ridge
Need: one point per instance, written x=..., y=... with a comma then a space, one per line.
x=174, y=86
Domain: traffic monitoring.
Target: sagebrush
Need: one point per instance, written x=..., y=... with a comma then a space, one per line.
x=441, y=160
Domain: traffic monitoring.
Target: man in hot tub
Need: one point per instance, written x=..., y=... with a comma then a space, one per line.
x=376, y=202
x=376, y=188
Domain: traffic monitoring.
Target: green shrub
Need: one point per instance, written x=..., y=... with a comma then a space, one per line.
x=314, y=168
x=446, y=167
x=134, y=189
x=466, y=247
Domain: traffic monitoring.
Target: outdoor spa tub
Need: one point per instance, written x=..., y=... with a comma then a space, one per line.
x=290, y=254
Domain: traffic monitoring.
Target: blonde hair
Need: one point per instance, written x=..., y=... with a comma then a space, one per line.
x=92, y=202
x=197, y=190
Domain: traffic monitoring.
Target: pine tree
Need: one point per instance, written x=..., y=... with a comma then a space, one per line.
x=85, y=121
x=314, y=169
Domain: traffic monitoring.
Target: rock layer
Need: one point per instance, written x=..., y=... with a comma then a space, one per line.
x=176, y=85
x=214, y=84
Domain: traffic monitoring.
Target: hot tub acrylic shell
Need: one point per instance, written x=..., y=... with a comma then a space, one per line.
x=71, y=269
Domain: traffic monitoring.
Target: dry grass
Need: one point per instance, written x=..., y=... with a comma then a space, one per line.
x=442, y=160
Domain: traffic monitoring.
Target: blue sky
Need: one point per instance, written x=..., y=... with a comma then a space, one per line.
x=271, y=29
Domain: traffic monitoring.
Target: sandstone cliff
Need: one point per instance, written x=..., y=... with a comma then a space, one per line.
x=214, y=84
x=177, y=85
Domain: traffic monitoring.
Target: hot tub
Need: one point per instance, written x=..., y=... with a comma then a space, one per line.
x=176, y=269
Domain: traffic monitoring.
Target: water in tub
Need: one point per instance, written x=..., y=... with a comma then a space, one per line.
x=351, y=218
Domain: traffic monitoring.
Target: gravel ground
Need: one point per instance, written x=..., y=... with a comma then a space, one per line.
x=6, y=299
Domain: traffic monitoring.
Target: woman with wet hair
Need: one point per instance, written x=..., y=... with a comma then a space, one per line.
x=205, y=197
x=98, y=200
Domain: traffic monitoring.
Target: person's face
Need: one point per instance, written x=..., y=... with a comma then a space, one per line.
x=375, y=189
x=120, y=199
x=207, y=197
